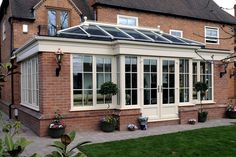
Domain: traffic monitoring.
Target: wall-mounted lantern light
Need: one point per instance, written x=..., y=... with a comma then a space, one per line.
x=59, y=54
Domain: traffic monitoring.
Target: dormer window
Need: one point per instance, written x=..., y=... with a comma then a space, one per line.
x=57, y=20
x=127, y=20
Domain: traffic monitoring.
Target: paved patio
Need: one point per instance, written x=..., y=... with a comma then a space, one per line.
x=39, y=144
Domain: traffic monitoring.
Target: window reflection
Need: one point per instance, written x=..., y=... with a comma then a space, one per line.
x=131, y=80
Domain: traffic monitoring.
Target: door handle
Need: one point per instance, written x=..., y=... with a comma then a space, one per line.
x=158, y=89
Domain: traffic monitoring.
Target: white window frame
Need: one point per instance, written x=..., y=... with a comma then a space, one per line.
x=218, y=35
x=103, y=72
x=131, y=73
x=25, y=28
x=4, y=30
x=197, y=101
x=94, y=105
x=189, y=81
x=127, y=17
x=34, y=75
x=178, y=31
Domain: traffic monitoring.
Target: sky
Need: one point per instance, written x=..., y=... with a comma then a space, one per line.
x=227, y=4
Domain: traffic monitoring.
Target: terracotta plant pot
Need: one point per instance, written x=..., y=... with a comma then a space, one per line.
x=56, y=132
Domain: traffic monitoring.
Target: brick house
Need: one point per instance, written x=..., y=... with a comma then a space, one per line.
x=155, y=50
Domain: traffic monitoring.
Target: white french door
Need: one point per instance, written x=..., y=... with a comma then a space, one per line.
x=169, y=88
x=159, y=92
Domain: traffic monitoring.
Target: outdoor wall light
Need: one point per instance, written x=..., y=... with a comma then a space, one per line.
x=59, y=54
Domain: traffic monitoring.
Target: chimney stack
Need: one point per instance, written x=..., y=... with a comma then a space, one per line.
x=235, y=10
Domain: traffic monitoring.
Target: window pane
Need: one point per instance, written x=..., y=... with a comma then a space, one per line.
x=134, y=34
x=88, y=97
x=153, y=65
x=147, y=96
x=127, y=80
x=134, y=80
x=153, y=80
x=127, y=21
x=99, y=64
x=154, y=96
x=94, y=30
x=108, y=77
x=176, y=33
x=100, y=80
x=64, y=19
x=128, y=97
x=88, y=83
x=172, y=66
x=115, y=32
x=108, y=99
x=165, y=78
x=77, y=81
x=147, y=80
x=165, y=66
x=147, y=65
x=134, y=97
x=172, y=96
x=100, y=98
x=127, y=64
x=194, y=68
x=52, y=26
x=88, y=64
x=78, y=97
x=134, y=64
x=165, y=96
x=107, y=65
x=172, y=81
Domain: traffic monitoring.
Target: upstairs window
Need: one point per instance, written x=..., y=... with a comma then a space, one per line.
x=211, y=35
x=127, y=20
x=176, y=33
x=57, y=20
x=4, y=30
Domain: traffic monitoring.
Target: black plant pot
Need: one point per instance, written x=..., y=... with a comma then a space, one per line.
x=107, y=127
x=231, y=114
x=56, y=132
x=202, y=117
x=143, y=126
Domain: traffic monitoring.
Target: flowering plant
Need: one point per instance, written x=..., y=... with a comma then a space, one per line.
x=57, y=121
x=132, y=127
x=231, y=108
x=192, y=121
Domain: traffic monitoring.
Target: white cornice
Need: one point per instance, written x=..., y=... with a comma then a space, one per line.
x=51, y=44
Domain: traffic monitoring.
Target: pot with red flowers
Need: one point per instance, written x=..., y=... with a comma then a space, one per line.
x=231, y=111
x=56, y=127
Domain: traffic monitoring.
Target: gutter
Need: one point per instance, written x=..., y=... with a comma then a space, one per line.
x=12, y=62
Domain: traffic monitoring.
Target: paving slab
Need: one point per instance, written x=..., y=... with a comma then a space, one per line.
x=40, y=144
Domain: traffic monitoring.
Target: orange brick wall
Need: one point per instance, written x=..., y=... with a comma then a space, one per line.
x=5, y=52
x=41, y=16
x=189, y=27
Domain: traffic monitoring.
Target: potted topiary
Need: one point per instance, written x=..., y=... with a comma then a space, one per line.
x=108, y=122
x=56, y=127
x=201, y=87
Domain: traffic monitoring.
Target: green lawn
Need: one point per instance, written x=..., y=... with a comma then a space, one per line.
x=210, y=142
